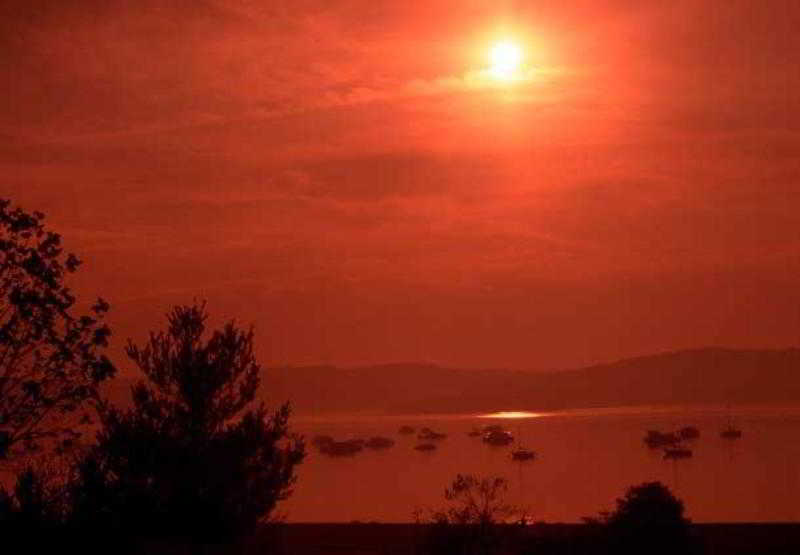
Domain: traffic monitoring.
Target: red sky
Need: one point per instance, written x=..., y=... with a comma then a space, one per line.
x=335, y=173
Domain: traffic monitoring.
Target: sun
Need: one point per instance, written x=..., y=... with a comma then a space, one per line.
x=505, y=60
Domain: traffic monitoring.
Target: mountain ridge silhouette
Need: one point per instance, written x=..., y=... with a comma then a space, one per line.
x=710, y=375
x=703, y=376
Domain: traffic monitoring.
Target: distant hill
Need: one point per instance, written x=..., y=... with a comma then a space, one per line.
x=702, y=376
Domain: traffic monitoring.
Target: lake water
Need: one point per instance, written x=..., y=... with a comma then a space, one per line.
x=585, y=460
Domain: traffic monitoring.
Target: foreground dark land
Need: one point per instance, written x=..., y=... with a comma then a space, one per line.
x=545, y=539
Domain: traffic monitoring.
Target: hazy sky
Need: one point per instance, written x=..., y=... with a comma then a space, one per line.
x=342, y=174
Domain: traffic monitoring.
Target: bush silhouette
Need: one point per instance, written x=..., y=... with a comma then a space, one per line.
x=35, y=511
x=190, y=459
x=30, y=506
x=649, y=519
x=469, y=524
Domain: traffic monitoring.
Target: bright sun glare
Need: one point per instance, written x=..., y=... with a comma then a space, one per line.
x=505, y=60
x=512, y=414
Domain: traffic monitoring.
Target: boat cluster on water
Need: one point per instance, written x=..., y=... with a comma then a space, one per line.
x=428, y=440
x=677, y=444
x=495, y=436
x=349, y=447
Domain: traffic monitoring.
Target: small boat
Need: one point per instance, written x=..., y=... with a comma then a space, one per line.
x=406, y=430
x=498, y=438
x=378, y=442
x=523, y=455
x=730, y=433
x=676, y=453
x=688, y=433
x=346, y=448
x=426, y=447
x=656, y=439
x=474, y=432
x=427, y=434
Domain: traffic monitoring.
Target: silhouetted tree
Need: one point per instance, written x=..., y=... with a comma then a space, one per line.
x=50, y=358
x=469, y=524
x=649, y=519
x=190, y=458
x=477, y=500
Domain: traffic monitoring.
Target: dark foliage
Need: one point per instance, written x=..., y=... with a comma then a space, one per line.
x=471, y=523
x=51, y=359
x=35, y=512
x=33, y=505
x=648, y=504
x=649, y=519
x=191, y=458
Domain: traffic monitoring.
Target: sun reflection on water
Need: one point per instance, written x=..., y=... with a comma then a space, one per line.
x=512, y=414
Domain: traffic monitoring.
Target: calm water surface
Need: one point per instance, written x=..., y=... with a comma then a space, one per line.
x=586, y=458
